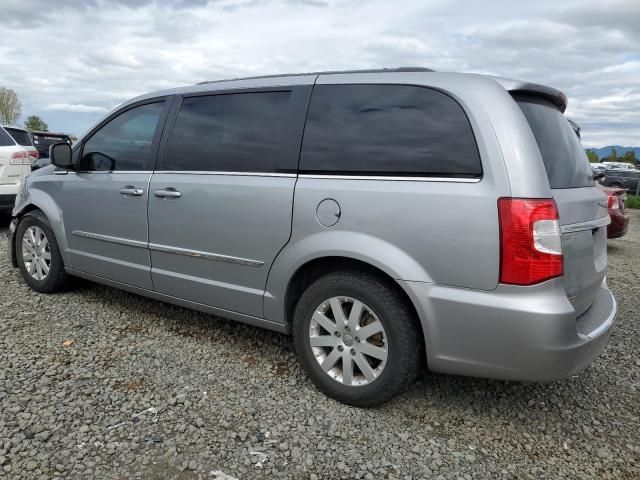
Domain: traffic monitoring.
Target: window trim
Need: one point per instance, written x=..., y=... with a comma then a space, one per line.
x=424, y=176
x=155, y=143
x=288, y=151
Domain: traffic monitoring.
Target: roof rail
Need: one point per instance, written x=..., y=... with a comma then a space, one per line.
x=328, y=72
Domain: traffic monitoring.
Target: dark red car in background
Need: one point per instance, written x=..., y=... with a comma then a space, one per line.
x=616, y=198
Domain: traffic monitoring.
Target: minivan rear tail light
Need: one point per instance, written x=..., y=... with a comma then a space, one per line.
x=530, y=241
x=34, y=154
x=614, y=203
x=19, y=158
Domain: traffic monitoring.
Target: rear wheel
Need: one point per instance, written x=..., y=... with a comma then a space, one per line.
x=357, y=338
x=38, y=255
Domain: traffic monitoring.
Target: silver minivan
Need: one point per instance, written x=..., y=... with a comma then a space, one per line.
x=388, y=219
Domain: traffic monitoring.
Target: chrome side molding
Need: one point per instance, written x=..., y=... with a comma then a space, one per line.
x=205, y=255
x=168, y=249
x=110, y=239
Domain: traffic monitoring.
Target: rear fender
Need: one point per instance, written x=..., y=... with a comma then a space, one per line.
x=358, y=246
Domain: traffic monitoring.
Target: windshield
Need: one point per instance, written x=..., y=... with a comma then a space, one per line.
x=20, y=136
x=564, y=158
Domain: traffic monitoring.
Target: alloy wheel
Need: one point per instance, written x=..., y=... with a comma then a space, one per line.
x=348, y=341
x=36, y=253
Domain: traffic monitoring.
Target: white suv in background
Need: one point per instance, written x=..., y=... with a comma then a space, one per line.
x=16, y=154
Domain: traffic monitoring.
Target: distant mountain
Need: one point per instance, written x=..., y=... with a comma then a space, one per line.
x=606, y=151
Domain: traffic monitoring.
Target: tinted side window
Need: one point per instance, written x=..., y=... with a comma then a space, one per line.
x=387, y=129
x=5, y=139
x=228, y=132
x=125, y=143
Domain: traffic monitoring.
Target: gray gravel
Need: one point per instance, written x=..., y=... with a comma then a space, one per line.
x=147, y=390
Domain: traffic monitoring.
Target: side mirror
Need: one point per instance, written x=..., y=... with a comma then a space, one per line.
x=60, y=155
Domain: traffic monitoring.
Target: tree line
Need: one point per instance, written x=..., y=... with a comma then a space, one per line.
x=11, y=109
x=627, y=157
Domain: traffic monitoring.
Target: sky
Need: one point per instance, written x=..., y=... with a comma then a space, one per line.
x=71, y=61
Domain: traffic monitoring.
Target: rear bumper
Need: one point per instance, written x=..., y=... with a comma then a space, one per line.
x=619, y=224
x=511, y=333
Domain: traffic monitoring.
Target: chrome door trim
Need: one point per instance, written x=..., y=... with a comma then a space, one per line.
x=205, y=255
x=110, y=239
x=590, y=225
x=236, y=174
x=114, y=172
x=166, y=193
x=392, y=178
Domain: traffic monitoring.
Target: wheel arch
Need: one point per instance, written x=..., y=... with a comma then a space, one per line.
x=317, y=267
x=13, y=239
x=41, y=201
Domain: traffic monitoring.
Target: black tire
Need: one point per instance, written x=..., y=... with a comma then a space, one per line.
x=404, y=342
x=56, y=279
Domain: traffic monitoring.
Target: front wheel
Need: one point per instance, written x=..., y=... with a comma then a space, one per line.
x=38, y=255
x=357, y=338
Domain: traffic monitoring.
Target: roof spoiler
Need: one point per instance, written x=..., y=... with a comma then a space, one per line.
x=555, y=96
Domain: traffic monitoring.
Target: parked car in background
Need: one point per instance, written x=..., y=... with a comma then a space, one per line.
x=618, y=165
x=619, y=178
x=42, y=141
x=616, y=204
x=15, y=161
x=22, y=138
x=387, y=219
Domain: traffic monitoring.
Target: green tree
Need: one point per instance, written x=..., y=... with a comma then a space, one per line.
x=10, y=108
x=629, y=157
x=592, y=156
x=34, y=122
x=613, y=156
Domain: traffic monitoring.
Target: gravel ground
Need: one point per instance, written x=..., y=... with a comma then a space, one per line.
x=97, y=383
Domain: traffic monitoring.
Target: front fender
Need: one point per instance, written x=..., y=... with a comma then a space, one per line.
x=35, y=197
x=358, y=246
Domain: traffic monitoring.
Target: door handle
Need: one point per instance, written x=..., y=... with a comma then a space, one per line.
x=131, y=191
x=167, y=193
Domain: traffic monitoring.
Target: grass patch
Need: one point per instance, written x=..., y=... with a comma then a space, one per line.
x=633, y=201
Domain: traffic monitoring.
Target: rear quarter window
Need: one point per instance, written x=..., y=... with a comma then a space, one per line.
x=564, y=158
x=387, y=130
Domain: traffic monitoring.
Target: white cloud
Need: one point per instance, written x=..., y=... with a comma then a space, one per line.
x=68, y=107
x=101, y=53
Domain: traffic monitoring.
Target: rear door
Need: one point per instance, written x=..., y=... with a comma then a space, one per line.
x=581, y=204
x=220, y=207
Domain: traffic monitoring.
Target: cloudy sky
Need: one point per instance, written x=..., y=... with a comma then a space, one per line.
x=71, y=61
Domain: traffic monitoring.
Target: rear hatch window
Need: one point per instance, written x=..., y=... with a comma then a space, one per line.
x=20, y=136
x=564, y=158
